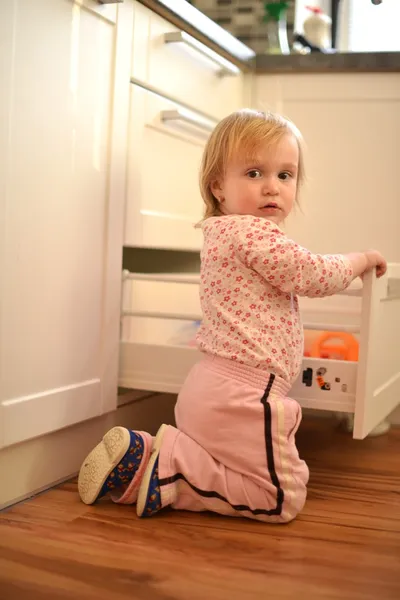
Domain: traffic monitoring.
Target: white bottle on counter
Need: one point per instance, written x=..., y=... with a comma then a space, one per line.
x=317, y=28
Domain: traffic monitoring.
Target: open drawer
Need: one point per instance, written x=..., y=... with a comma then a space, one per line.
x=157, y=349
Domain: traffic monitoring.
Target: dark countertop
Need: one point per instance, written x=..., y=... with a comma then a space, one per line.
x=352, y=62
x=360, y=62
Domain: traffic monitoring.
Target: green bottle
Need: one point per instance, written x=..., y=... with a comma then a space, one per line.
x=275, y=17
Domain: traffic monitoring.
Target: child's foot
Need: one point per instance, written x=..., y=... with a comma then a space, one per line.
x=117, y=463
x=149, y=497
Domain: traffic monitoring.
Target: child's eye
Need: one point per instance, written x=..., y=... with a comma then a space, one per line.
x=284, y=175
x=254, y=174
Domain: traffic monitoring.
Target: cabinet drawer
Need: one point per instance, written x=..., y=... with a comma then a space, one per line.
x=165, y=148
x=186, y=70
x=157, y=356
x=157, y=352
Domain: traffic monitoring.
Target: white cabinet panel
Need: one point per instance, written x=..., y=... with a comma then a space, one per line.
x=180, y=70
x=163, y=197
x=31, y=416
x=58, y=336
x=351, y=126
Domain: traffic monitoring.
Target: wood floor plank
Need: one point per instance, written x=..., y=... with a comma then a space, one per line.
x=170, y=561
x=345, y=544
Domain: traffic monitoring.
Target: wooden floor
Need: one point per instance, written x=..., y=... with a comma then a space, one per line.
x=346, y=543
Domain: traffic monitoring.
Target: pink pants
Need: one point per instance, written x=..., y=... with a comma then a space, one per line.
x=234, y=451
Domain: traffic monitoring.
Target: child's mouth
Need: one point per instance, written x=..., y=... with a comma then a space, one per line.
x=270, y=206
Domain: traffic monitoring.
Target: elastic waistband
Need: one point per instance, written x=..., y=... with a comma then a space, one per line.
x=250, y=375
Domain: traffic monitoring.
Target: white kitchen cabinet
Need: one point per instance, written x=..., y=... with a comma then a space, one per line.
x=67, y=111
x=180, y=90
x=64, y=112
x=163, y=197
x=181, y=67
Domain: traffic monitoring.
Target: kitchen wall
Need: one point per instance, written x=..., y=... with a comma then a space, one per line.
x=244, y=19
x=361, y=27
x=367, y=28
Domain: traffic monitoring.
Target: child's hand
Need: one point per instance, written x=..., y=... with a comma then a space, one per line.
x=376, y=261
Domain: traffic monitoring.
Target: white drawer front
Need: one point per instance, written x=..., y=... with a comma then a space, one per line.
x=163, y=197
x=181, y=71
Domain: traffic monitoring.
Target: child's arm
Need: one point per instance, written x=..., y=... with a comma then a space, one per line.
x=292, y=268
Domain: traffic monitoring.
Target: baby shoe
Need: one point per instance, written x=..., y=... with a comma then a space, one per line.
x=116, y=465
x=149, y=497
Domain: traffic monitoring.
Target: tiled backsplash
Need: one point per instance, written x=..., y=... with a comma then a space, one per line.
x=244, y=19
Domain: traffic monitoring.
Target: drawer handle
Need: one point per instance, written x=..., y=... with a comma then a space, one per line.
x=181, y=114
x=179, y=37
x=193, y=278
x=163, y=315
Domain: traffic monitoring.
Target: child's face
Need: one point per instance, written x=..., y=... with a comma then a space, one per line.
x=265, y=187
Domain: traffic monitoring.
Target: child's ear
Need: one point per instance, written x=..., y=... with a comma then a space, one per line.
x=216, y=189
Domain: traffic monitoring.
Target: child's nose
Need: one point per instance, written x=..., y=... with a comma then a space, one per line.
x=270, y=187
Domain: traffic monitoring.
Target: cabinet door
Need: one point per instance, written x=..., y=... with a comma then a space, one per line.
x=61, y=211
x=163, y=197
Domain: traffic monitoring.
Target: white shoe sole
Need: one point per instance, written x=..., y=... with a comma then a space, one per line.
x=144, y=486
x=100, y=462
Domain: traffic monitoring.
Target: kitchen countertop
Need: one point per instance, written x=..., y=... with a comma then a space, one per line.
x=360, y=62
x=317, y=62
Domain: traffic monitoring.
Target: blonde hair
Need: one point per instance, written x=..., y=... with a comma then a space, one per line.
x=242, y=131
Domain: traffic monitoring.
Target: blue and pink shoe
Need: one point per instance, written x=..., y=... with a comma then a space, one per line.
x=149, y=498
x=116, y=466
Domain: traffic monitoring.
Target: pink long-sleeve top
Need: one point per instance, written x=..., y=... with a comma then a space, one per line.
x=251, y=277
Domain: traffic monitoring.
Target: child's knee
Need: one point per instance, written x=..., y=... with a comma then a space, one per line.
x=293, y=502
x=288, y=507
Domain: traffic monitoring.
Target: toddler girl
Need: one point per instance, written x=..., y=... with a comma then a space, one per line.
x=233, y=451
